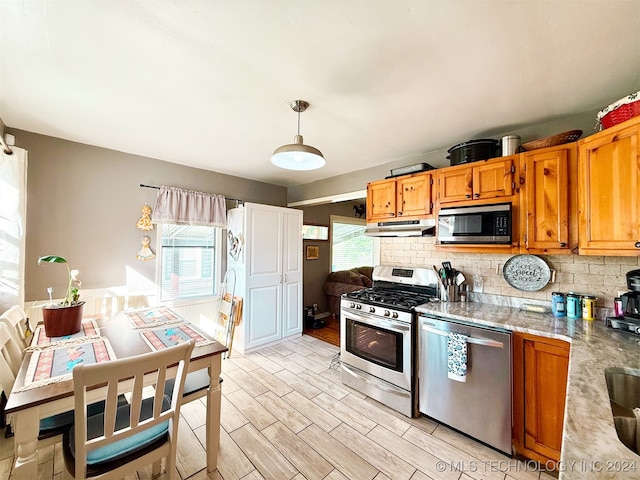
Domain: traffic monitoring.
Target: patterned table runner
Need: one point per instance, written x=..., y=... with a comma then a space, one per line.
x=173, y=335
x=89, y=329
x=154, y=318
x=53, y=362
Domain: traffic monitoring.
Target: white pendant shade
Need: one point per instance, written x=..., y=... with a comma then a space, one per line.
x=297, y=155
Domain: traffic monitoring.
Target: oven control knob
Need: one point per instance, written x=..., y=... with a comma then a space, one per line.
x=387, y=313
x=352, y=305
x=395, y=315
x=372, y=309
x=358, y=306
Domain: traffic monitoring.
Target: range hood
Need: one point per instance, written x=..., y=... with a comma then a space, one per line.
x=402, y=228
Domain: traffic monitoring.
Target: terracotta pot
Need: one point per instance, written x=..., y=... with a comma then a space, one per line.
x=60, y=321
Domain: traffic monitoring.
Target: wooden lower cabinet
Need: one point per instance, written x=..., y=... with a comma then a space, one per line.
x=540, y=368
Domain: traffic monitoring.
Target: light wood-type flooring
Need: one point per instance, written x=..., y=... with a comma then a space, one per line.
x=286, y=415
x=330, y=333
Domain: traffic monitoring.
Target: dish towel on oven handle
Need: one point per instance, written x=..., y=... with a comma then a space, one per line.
x=457, y=357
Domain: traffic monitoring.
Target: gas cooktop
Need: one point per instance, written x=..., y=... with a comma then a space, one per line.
x=394, y=298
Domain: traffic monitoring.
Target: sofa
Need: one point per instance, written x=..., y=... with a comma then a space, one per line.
x=345, y=281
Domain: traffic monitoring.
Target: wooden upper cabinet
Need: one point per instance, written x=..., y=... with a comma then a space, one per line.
x=401, y=197
x=609, y=191
x=549, y=199
x=481, y=180
x=493, y=179
x=414, y=195
x=381, y=200
x=455, y=184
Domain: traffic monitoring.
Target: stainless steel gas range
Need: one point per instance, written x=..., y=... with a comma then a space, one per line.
x=378, y=335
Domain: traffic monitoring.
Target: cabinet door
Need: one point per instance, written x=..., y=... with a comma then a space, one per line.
x=455, y=184
x=292, y=268
x=609, y=192
x=547, y=193
x=493, y=179
x=263, y=312
x=540, y=383
x=414, y=195
x=381, y=200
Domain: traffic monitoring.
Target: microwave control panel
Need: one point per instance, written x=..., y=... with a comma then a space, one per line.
x=502, y=224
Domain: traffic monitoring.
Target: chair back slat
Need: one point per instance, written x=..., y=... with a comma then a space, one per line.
x=136, y=400
x=159, y=393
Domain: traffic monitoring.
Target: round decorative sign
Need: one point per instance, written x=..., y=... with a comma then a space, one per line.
x=526, y=272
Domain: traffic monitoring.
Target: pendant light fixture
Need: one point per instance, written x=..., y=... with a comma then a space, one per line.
x=297, y=155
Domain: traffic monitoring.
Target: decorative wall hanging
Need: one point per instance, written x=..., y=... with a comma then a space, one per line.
x=144, y=223
x=235, y=244
x=313, y=252
x=526, y=272
x=145, y=253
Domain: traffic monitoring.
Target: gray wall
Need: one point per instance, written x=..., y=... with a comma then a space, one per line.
x=83, y=203
x=315, y=271
x=355, y=181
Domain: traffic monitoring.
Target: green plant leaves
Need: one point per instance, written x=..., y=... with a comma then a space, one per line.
x=51, y=259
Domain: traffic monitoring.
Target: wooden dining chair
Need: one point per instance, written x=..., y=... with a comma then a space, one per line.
x=10, y=359
x=124, y=439
x=16, y=319
x=11, y=355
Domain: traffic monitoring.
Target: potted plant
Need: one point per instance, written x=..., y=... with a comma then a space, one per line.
x=64, y=318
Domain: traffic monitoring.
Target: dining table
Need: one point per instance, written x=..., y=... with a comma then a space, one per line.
x=44, y=384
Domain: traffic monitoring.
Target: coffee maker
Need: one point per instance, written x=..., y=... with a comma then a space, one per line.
x=631, y=300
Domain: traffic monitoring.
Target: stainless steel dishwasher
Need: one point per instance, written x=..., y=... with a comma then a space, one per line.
x=479, y=406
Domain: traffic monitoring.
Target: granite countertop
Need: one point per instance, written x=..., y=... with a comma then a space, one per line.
x=590, y=445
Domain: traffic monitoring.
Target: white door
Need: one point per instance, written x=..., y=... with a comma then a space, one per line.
x=292, y=267
x=264, y=276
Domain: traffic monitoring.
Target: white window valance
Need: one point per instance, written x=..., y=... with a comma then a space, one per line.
x=187, y=207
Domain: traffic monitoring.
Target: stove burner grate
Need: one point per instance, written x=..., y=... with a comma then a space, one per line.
x=398, y=299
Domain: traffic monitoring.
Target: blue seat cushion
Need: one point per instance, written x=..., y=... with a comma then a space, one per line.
x=126, y=447
x=57, y=424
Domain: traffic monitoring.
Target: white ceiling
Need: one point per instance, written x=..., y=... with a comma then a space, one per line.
x=208, y=83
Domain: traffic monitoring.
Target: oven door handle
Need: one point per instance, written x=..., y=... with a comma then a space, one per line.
x=370, y=319
x=485, y=342
x=386, y=388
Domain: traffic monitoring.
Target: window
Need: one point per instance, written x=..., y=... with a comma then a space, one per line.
x=350, y=248
x=189, y=261
x=315, y=232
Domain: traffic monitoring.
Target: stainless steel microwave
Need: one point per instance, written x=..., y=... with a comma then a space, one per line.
x=475, y=224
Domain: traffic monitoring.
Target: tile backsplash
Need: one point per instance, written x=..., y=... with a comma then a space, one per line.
x=601, y=276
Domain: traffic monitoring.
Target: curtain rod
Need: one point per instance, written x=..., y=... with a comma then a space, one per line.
x=226, y=198
x=5, y=147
